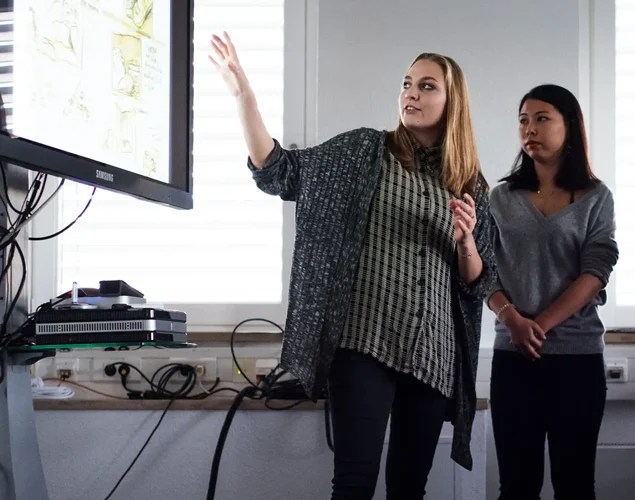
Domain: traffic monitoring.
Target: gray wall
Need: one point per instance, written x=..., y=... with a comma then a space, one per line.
x=505, y=47
x=268, y=455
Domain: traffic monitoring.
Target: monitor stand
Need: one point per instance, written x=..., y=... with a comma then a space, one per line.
x=21, y=473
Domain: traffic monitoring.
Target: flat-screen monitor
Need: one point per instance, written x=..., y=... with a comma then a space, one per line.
x=100, y=92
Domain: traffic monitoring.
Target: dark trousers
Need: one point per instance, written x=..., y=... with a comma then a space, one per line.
x=363, y=393
x=560, y=397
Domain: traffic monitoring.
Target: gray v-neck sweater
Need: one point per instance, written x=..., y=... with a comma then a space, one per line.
x=539, y=256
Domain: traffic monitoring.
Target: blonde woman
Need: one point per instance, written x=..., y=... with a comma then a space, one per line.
x=392, y=261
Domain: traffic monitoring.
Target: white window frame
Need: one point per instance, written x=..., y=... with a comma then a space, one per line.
x=299, y=125
x=602, y=134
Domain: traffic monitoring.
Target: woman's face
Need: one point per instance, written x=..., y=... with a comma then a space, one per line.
x=542, y=131
x=422, y=101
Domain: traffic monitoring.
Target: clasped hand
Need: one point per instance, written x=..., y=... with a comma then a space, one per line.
x=527, y=336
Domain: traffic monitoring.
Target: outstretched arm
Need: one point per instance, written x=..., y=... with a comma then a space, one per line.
x=257, y=137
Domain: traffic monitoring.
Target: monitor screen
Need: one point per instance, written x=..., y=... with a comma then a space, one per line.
x=101, y=93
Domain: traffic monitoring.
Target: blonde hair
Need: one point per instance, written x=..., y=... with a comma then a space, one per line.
x=460, y=168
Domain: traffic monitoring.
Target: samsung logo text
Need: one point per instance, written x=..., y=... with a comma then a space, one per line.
x=105, y=176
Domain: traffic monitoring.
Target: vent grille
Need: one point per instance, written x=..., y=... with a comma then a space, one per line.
x=91, y=327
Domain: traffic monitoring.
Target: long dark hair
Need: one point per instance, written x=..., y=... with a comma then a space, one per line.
x=575, y=170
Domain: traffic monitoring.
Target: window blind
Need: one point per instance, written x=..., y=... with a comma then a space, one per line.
x=624, y=150
x=228, y=249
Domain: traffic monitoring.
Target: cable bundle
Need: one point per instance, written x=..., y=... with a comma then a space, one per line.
x=14, y=218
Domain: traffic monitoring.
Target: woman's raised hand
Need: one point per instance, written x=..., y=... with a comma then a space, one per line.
x=227, y=64
x=464, y=215
x=258, y=140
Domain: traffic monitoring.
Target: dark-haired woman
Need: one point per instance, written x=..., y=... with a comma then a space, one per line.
x=555, y=250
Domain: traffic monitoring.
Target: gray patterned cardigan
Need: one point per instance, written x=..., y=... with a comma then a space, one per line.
x=333, y=185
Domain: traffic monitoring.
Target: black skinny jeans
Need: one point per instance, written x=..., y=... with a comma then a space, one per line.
x=363, y=393
x=558, y=397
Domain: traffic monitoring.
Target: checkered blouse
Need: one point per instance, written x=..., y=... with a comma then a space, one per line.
x=401, y=310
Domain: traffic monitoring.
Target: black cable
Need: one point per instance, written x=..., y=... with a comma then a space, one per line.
x=268, y=389
x=18, y=293
x=7, y=263
x=39, y=198
x=204, y=395
x=6, y=188
x=6, y=210
x=9, y=310
x=158, y=391
x=161, y=392
x=11, y=234
x=30, y=201
x=281, y=408
x=21, y=330
x=231, y=344
x=41, y=238
x=141, y=450
x=213, y=479
x=33, y=194
x=27, y=212
x=132, y=394
x=171, y=370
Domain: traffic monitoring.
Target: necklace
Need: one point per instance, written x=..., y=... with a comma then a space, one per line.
x=550, y=196
x=540, y=192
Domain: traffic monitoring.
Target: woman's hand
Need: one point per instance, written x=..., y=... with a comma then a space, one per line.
x=257, y=137
x=526, y=335
x=227, y=64
x=464, y=215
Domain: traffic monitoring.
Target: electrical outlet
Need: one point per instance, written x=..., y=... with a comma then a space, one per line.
x=63, y=366
x=248, y=367
x=98, y=373
x=225, y=368
x=206, y=370
x=66, y=368
x=149, y=366
x=264, y=367
x=616, y=370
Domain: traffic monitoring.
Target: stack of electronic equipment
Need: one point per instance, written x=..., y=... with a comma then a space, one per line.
x=113, y=313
